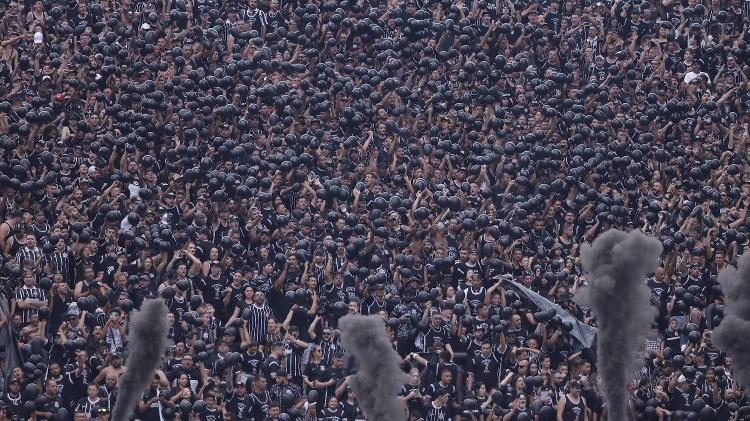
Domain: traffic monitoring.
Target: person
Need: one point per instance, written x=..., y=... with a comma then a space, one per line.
x=238, y=401
x=437, y=409
x=91, y=403
x=278, y=165
x=151, y=403
x=29, y=298
x=519, y=410
x=332, y=411
x=411, y=392
x=285, y=392
x=260, y=399
x=485, y=366
x=572, y=406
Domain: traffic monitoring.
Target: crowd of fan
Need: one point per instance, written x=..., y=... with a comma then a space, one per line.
x=267, y=167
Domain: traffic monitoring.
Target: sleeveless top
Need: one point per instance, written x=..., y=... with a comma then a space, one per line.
x=573, y=411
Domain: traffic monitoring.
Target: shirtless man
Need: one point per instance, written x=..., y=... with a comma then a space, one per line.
x=115, y=368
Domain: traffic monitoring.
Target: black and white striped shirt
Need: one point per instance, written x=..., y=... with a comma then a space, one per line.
x=26, y=253
x=108, y=395
x=29, y=293
x=329, y=348
x=60, y=261
x=293, y=359
x=256, y=19
x=257, y=324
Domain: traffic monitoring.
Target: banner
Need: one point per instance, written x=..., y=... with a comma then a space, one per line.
x=582, y=332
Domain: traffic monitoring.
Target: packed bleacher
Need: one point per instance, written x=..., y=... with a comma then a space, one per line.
x=268, y=167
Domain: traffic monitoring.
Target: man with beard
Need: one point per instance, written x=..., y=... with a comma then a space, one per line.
x=328, y=381
x=376, y=302
x=283, y=389
x=115, y=368
x=149, y=408
x=14, y=400
x=408, y=313
x=572, y=406
x=76, y=381
x=328, y=341
x=681, y=392
x=55, y=373
x=51, y=401
x=485, y=366
x=257, y=322
x=141, y=290
x=212, y=287
x=108, y=391
x=238, y=401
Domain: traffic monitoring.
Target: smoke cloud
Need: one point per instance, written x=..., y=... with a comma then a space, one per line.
x=733, y=334
x=617, y=263
x=147, y=343
x=379, y=379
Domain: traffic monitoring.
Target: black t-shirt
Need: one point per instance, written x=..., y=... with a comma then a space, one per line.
x=351, y=411
x=433, y=334
x=432, y=390
x=271, y=366
x=152, y=412
x=259, y=402
x=486, y=369
x=519, y=413
x=252, y=362
x=212, y=290
x=15, y=405
x=329, y=374
x=238, y=405
x=413, y=403
x=679, y=400
x=49, y=405
x=332, y=414
x=209, y=414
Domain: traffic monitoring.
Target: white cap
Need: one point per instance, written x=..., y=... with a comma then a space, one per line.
x=146, y=26
x=681, y=379
x=38, y=37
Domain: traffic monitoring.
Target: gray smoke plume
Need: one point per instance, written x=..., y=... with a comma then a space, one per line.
x=733, y=334
x=617, y=263
x=147, y=343
x=379, y=379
